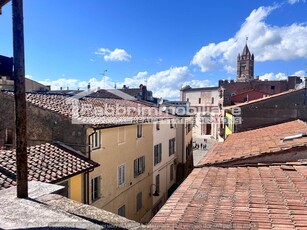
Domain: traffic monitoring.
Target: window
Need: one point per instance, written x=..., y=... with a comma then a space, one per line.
x=272, y=87
x=171, y=146
x=139, y=202
x=171, y=125
x=139, y=130
x=122, y=211
x=212, y=100
x=121, y=175
x=95, y=140
x=96, y=188
x=121, y=135
x=158, y=125
x=199, y=100
x=8, y=137
x=157, y=153
x=139, y=166
x=171, y=174
x=158, y=183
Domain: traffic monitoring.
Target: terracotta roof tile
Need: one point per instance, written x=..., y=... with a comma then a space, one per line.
x=238, y=198
x=257, y=142
x=46, y=163
x=91, y=110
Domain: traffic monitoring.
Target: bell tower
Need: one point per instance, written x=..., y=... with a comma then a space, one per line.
x=245, y=65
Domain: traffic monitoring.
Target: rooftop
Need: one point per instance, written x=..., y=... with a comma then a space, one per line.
x=188, y=88
x=95, y=111
x=257, y=142
x=264, y=197
x=44, y=210
x=46, y=163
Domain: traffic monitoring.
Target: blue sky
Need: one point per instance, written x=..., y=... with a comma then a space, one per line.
x=162, y=43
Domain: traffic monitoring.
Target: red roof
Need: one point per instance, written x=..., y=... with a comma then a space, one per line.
x=46, y=163
x=95, y=110
x=257, y=142
x=262, y=197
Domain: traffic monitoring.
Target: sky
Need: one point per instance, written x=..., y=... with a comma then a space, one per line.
x=164, y=44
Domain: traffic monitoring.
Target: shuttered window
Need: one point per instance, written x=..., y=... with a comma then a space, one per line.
x=157, y=153
x=139, y=166
x=121, y=175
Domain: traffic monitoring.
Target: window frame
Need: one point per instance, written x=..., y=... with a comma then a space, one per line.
x=171, y=146
x=98, y=195
x=139, y=130
x=158, y=183
x=121, y=211
x=157, y=153
x=139, y=166
x=139, y=201
x=122, y=130
x=121, y=179
x=95, y=140
x=158, y=125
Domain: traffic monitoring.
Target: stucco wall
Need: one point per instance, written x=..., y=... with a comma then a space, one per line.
x=110, y=156
x=163, y=168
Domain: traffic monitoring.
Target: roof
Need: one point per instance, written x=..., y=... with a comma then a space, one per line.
x=46, y=163
x=95, y=111
x=263, y=197
x=46, y=210
x=131, y=91
x=257, y=142
x=264, y=98
x=102, y=93
x=245, y=50
x=248, y=91
x=199, y=89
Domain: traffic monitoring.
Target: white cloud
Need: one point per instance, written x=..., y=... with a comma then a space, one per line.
x=295, y=1
x=64, y=83
x=273, y=77
x=165, y=84
x=281, y=76
x=115, y=55
x=267, y=42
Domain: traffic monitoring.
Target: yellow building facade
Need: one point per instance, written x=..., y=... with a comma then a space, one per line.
x=122, y=184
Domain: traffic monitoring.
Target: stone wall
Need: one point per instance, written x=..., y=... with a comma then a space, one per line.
x=42, y=125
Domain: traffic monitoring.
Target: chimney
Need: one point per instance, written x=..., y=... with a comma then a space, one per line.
x=67, y=88
x=61, y=88
x=257, y=78
x=305, y=82
x=88, y=86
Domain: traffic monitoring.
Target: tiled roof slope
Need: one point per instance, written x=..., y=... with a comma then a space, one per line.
x=94, y=110
x=46, y=163
x=273, y=197
x=257, y=142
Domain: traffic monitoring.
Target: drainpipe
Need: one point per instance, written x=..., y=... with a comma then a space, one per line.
x=87, y=175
